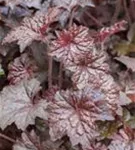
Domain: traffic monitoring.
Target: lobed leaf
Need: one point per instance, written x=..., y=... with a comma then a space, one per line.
x=19, y=105
x=32, y=29
x=21, y=68
x=74, y=113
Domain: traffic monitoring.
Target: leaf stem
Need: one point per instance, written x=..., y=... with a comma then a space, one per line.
x=60, y=75
x=126, y=11
x=72, y=16
x=7, y=138
x=50, y=67
x=117, y=11
x=93, y=19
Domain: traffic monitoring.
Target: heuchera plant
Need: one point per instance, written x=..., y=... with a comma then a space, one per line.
x=64, y=87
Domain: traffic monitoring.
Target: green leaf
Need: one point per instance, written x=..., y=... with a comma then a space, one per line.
x=1, y=71
x=126, y=115
x=107, y=129
x=131, y=122
x=124, y=48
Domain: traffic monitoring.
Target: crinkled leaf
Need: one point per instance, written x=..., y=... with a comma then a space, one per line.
x=122, y=141
x=49, y=94
x=75, y=113
x=71, y=43
x=51, y=145
x=97, y=146
x=19, y=104
x=28, y=142
x=32, y=29
x=106, y=32
x=22, y=67
x=111, y=90
x=88, y=67
x=29, y=3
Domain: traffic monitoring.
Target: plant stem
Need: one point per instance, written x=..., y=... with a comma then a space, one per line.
x=94, y=19
x=7, y=138
x=132, y=8
x=127, y=12
x=60, y=75
x=117, y=11
x=50, y=67
x=72, y=16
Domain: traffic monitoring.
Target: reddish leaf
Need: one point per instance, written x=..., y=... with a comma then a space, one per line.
x=108, y=31
x=23, y=67
x=88, y=67
x=49, y=94
x=32, y=28
x=75, y=113
x=71, y=43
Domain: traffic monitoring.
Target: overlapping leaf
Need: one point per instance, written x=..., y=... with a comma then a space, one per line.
x=97, y=146
x=29, y=3
x=49, y=94
x=69, y=4
x=75, y=113
x=106, y=32
x=71, y=43
x=28, y=142
x=21, y=68
x=18, y=104
x=11, y=3
x=122, y=141
x=125, y=47
x=32, y=28
x=128, y=61
x=88, y=67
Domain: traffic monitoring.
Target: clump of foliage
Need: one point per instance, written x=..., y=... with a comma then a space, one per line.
x=67, y=75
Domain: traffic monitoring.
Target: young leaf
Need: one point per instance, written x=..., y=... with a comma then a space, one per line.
x=22, y=67
x=105, y=32
x=19, y=104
